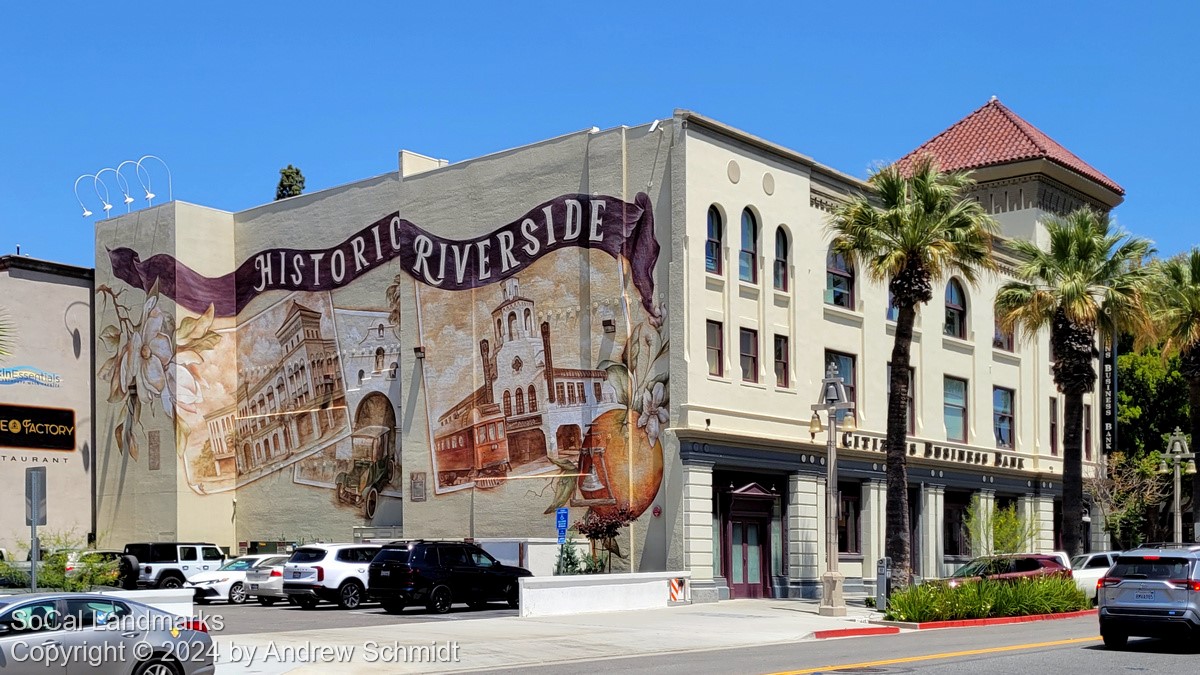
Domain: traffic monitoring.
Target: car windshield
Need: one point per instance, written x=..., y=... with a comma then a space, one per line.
x=973, y=568
x=1078, y=561
x=308, y=555
x=1150, y=567
x=239, y=564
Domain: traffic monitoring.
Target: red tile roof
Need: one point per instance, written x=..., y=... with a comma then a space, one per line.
x=993, y=135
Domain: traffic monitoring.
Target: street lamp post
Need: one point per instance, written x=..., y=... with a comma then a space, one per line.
x=1178, y=457
x=832, y=401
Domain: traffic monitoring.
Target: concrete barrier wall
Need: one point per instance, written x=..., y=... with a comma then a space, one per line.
x=586, y=593
x=176, y=601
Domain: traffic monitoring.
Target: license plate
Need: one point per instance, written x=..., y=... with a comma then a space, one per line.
x=1143, y=595
x=384, y=573
x=254, y=587
x=295, y=575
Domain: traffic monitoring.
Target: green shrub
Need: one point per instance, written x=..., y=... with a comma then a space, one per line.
x=937, y=601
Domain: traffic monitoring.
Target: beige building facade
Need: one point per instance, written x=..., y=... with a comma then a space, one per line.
x=629, y=323
x=46, y=399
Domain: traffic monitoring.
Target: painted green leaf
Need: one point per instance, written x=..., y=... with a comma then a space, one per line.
x=111, y=337
x=193, y=328
x=564, y=489
x=204, y=343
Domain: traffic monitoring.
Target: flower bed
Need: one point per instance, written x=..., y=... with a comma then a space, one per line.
x=986, y=599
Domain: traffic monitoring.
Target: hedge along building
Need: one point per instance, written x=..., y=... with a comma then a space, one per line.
x=585, y=323
x=46, y=399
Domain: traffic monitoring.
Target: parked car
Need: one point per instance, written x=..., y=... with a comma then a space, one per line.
x=1009, y=567
x=334, y=573
x=1089, y=568
x=83, y=623
x=77, y=560
x=265, y=582
x=228, y=582
x=1151, y=592
x=170, y=564
x=439, y=574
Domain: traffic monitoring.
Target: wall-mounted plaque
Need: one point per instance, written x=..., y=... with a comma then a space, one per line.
x=417, y=485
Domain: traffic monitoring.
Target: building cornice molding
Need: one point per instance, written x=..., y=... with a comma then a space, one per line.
x=17, y=262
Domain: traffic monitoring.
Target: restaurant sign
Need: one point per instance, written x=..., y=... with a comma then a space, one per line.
x=39, y=428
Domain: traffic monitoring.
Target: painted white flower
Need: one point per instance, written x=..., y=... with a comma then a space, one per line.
x=654, y=415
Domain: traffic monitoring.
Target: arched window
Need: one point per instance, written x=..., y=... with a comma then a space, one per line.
x=748, y=257
x=712, y=245
x=499, y=331
x=839, y=281
x=361, y=373
x=507, y=404
x=781, y=259
x=528, y=323
x=392, y=370
x=532, y=399
x=379, y=359
x=520, y=401
x=956, y=310
x=1002, y=339
x=893, y=312
x=380, y=330
x=512, y=325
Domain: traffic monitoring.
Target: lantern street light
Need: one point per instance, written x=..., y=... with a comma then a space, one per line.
x=832, y=401
x=1177, y=457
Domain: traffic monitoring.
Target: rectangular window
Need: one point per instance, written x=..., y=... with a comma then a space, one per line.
x=893, y=312
x=912, y=398
x=571, y=393
x=1087, y=431
x=839, y=282
x=845, y=370
x=954, y=405
x=560, y=392
x=582, y=392
x=716, y=348
x=597, y=391
x=1002, y=416
x=1053, y=425
x=781, y=361
x=748, y=341
x=1002, y=339
x=849, y=520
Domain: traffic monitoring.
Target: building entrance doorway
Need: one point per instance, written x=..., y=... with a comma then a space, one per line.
x=747, y=550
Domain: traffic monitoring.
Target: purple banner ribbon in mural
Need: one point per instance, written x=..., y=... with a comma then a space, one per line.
x=619, y=228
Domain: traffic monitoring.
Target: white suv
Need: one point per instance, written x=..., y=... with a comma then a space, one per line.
x=170, y=564
x=332, y=572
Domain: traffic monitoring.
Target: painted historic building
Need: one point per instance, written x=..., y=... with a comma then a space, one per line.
x=628, y=323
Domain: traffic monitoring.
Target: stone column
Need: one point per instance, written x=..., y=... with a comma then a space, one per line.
x=805, y=544
x=1043, y=518
x=698, y=530
x=985, y=507
x=933, y=503
x=874, y=528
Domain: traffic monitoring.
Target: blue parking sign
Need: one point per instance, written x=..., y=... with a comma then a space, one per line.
x=562, y=517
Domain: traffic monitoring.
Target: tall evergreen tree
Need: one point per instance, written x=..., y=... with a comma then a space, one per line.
x=291, y=183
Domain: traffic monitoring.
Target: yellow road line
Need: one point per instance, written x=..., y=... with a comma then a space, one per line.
x=931, y=657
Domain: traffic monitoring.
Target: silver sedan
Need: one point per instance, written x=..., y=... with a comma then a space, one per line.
x=86, y=632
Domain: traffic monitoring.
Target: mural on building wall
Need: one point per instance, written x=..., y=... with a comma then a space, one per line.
x=521, y=378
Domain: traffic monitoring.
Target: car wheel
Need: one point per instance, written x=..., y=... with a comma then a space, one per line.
x=513, y=595
x=439, y=600
x=1114, y=640
x=237, y=593
x=370, y=503
x=266, y=601
x=393, y=606
x=350, y=595
x=306, y=602
x=156, y=666
x=170, y=582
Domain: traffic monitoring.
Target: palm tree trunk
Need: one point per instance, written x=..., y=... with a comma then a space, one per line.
x=1194, y=423
x=897, y=546
x=1072, y=509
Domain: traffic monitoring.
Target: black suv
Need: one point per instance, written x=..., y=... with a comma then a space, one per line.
x=439, y=574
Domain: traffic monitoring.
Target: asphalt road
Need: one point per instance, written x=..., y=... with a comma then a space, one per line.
x=1061, y=647
x=254, y=618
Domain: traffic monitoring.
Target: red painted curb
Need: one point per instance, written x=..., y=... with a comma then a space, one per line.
x=855, y=632
x=965, y=623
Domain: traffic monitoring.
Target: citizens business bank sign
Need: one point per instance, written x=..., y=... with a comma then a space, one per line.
x=29, y=375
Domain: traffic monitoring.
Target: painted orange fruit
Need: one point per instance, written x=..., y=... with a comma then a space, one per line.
x=630, y=470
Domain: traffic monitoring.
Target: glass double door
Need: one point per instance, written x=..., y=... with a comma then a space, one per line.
x=747, y=548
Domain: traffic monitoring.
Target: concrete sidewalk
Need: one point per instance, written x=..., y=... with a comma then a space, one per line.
x=476, y=644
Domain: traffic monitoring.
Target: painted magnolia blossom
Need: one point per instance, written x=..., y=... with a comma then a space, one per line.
x=654, y=414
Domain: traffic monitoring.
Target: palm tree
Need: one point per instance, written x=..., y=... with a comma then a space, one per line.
x=1175, y=312
x=914, y=230
x=1090, y=279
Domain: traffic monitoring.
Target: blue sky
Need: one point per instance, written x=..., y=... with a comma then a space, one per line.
x=228, y=93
